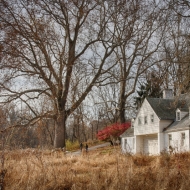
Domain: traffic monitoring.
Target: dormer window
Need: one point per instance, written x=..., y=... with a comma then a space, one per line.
x=178, y=115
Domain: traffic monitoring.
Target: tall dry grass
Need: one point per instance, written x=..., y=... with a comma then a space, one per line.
x=106, y=169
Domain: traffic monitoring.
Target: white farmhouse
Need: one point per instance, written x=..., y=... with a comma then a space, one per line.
x=162, y=124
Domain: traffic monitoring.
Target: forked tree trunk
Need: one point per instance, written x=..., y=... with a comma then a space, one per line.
x=60, y=132
x=122, y=101
x=122, y=115
x=122, y=110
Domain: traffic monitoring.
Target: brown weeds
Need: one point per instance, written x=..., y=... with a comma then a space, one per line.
x=41, y=170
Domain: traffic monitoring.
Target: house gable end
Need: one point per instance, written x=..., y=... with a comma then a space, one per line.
x=143, y=123
x=141, y=108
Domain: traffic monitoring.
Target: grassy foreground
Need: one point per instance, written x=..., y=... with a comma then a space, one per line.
x=103, y=169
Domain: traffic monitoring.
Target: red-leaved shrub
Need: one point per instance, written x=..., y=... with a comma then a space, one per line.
x=114, y=130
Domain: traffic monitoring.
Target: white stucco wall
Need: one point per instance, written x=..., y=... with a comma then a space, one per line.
x=139, y=144
x=128, y=145
x=161, y=142
x=163, y=124
x=150, y=127
x=143, y=142
x=161, y=136
x=176, y=141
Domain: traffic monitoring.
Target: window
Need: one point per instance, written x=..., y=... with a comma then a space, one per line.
x=145, y=120
x=152, y=118
x=133, y=146
x=132, y=123
x=182, y=139
x=170, y=139
x=125, y=142
x=139, y=120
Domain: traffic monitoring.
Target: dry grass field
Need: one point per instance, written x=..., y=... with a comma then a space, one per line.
x=102, y=169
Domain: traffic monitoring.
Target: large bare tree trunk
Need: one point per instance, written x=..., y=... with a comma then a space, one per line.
x=122, y=102
x=122, y=114
x=60, y=132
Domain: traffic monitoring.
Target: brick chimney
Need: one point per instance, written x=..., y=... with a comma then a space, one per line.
x=168, y=94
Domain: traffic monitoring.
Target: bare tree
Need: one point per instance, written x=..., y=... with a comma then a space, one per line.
x=42, y=44
x=175, y=66
x=143, y=28
x=146, y=33
x=179, y=7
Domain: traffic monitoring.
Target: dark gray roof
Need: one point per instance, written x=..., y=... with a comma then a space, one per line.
x=186, y=98
x=166, y=108
x=179, y=125
x=128, y=133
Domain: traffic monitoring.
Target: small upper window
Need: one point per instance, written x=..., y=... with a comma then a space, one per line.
x=152, y=118
x=145, y=120
x=139, y=121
